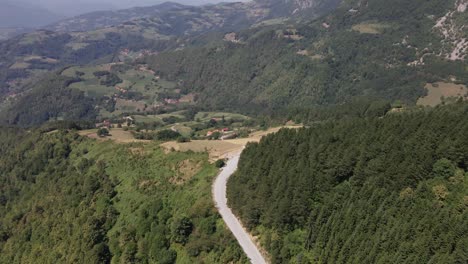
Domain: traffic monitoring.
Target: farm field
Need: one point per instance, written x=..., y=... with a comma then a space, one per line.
x=139, y=82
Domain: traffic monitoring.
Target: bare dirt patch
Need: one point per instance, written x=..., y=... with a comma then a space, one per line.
x=440, y=91
x=189, y=98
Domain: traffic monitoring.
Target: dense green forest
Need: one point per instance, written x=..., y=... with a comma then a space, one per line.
x=70, y=199
x=368, y=190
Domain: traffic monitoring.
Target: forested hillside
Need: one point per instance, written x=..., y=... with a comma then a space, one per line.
x=244, y=63
x=378, y=190
x=69, y=199
x=50, y=99
x=364, y=48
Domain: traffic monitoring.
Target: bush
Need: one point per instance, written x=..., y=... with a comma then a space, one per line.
x=166, y=134
x=183, y=140
x=220, y=163
x=103, y=132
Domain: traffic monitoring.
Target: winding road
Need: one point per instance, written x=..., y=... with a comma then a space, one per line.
x=219, y=192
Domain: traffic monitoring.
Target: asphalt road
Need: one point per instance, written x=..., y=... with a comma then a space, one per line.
x=219, y=192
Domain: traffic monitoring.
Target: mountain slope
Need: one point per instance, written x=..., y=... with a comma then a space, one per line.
x=152, y=30
x=364, y=48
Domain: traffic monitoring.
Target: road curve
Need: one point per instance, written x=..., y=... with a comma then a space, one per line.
x=219, y=192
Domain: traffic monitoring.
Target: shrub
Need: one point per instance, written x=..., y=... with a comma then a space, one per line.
x=183, y=140
x=220, y=163
x=103, y=132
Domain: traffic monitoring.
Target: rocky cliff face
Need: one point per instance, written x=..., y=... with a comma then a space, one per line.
x=454, y=29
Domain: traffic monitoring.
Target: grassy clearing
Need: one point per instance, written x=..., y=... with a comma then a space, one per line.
x=207, y=116
x=87, y=70
x=271, y=22
x=129, y=105
x=42, y=59
x=370, y=28
x=215, y=148
x=219, y=148
x=183, y=130
x=93, y=89
x=77, y=45
x=158, y=118
x=20, y=65
x=116, y=134
x=440, y=91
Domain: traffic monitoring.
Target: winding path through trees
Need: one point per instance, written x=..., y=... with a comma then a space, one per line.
x=219, y=192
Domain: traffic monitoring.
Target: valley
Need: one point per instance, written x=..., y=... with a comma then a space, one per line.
x=264, y=131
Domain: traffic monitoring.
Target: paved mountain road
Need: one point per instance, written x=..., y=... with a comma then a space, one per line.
x=219, y=192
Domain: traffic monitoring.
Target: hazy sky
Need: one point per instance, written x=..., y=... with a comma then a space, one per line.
x=37, y=13
x=73, y=7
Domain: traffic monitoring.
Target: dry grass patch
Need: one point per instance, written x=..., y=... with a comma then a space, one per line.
x=438, y=91
x=215, y=148
x=189, y=98
x=185, y=171
x=219, y=148
x=148, y=185
x=76, y=45
x=116, y=134
x=20, y=65
x=129, y=105
x=42, y=59
x=370, y=28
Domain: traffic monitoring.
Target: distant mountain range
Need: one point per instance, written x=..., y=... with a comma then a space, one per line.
x=225, y=13
x=14, y=14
